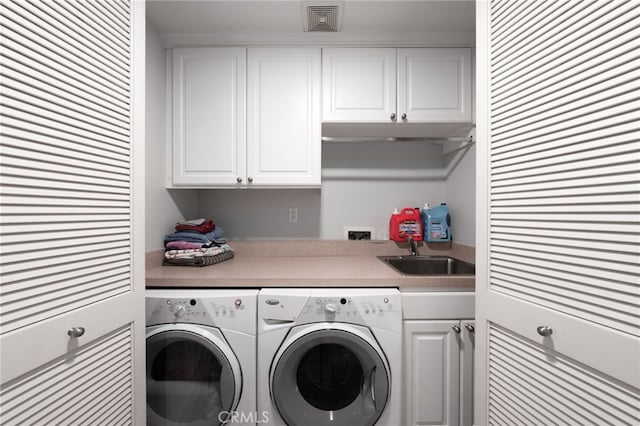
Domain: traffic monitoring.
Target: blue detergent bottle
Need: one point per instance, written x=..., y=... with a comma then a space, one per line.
x=436, y=223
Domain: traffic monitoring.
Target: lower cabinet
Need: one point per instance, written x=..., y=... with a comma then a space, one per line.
x=438, y=363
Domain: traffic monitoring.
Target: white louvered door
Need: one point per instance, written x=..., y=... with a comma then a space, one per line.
x=558, y=212
x=72, y=143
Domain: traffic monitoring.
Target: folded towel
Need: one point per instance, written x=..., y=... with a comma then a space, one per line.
x=201, y=252
x=195, y=237
x=182, y=245
x=198, y=257
x=199, y=261
x=193, y=222
x=205, y=227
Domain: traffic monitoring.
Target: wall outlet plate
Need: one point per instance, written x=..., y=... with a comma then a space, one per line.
x=359, y=232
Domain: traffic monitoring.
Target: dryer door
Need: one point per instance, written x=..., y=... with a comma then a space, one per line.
x=330, y=377
x=193, y=377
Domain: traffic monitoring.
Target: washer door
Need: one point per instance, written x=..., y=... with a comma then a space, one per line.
x=193, y=377
x=330, y=377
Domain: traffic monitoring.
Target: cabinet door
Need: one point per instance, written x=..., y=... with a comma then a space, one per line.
x=558, y=294
x=467, y=348
x=431, y=363
x=283, y=133
x=208, y=116
x=72, y=201
x=359, y=84
x=434, y=85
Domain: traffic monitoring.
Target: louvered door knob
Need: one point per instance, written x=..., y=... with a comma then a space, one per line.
x=75, y=331
x=545, y=330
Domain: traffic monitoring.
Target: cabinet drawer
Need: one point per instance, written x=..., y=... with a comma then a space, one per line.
x=438, y=305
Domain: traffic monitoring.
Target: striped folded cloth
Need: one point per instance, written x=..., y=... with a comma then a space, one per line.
x=198, y=257
x=198, y=252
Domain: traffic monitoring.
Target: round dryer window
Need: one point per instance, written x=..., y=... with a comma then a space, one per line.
x=330, y=377
x=190, y=380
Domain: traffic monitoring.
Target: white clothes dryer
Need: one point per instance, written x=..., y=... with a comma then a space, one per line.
x=201, y=357
x=330, y=356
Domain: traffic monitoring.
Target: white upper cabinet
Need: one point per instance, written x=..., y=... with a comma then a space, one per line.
x=209, y=118
x=434, y=85
x=283, y=116
x=359, y=84
x=420, y=85
x=246, y=117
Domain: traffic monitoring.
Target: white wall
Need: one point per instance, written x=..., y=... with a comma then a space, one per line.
x=251, y=214
x=362, y=183
x=461, y=196
x=163, y=207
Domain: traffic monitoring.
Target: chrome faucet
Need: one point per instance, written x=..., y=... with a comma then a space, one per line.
x=413, y=245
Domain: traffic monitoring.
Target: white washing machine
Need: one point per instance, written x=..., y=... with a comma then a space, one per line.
x=201, y=357
x=330, y=357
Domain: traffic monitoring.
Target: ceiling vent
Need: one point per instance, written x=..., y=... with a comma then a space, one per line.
x=325, y=17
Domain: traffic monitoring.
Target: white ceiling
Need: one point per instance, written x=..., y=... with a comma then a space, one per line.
x=266, y=16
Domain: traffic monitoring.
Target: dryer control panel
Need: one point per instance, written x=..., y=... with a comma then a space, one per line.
x=224, y=312
x=340, y=309
x=196, y=311
x=368, y=310
x=371, y=307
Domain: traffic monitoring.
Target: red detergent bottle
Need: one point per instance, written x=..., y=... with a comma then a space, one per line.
x=405, y=223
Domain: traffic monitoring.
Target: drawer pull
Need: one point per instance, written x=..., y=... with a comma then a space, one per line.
x=544, y=330
x=75, y=331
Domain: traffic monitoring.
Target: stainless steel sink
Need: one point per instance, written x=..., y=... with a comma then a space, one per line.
x=429, y=265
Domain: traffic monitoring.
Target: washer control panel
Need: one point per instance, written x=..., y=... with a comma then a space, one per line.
x=196, y=311
x=345, y=309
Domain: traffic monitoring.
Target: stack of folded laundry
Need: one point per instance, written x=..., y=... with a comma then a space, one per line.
x=196, y=242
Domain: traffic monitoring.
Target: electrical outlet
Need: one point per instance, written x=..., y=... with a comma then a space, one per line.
x=359, y=232
x=293, y=214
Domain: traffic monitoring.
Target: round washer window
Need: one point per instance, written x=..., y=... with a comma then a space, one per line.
x=329, y=376
x=185, y=361
x=187, y=378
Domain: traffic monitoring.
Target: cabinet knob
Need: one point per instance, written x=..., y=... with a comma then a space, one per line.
x=75, y=331
x=470, y=328
x=404, y=116
x=456, y=329
x=544, y=330
x=239, y=179
x=393, y=116
x=250, y=179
